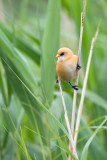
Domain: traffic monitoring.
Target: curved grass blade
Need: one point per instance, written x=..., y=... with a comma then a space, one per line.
x=85, y=150
x=17, y=59
x=95, y=98
x=23, y=85
x=21, y=44
x=25, y=97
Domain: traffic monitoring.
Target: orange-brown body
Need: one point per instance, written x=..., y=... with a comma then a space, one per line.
x=66, y=64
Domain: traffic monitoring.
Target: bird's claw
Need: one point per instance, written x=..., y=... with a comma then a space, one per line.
x=78, y=67
x=75, y=87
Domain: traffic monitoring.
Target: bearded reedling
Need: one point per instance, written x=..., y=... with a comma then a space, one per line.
x=67, y=64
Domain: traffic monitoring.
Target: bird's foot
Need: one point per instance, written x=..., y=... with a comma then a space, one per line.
x=75, y=87
x=78, y=67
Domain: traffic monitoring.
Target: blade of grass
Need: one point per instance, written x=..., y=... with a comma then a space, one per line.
x=20, y=138
x=49, y=48
x=17, y=59
x=95, y=98
x=34, y=149
x=22, y=92
x=2, y=84
x=24, y=146
x=19, y=81
x=21, y=44
x=85, y=150
x=60, y=141
x=23, y=10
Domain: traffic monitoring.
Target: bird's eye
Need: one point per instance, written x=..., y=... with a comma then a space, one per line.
x=62, y=54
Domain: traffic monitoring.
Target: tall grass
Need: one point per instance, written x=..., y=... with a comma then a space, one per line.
x=32, y=124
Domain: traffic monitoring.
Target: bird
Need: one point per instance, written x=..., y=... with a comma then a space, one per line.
x=67, y=65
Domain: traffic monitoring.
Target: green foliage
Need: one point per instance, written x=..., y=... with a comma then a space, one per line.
x=20, y=43
x=50, y=47
x=32, y=124
x=85, y=150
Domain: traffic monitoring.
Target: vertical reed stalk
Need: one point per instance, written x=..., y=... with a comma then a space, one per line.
x=84, y=89
x=67, y=120
x=77, y=75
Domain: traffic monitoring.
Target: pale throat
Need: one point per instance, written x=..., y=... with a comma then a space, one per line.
x=60, y=58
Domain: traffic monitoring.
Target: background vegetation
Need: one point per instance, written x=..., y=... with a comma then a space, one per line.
x=32, y=124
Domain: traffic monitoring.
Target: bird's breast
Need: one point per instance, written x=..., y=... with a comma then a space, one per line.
x=66, y=70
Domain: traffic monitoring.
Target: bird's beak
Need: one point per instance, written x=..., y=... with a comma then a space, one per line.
x=57, y=55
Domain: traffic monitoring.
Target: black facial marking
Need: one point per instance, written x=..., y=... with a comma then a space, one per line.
x=62, y=54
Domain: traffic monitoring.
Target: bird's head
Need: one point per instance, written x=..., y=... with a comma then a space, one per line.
x=64, y=54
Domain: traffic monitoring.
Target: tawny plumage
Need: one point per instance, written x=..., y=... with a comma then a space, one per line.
x=67, y=65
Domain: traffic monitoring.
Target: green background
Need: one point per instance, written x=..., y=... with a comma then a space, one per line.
x=32, y=124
